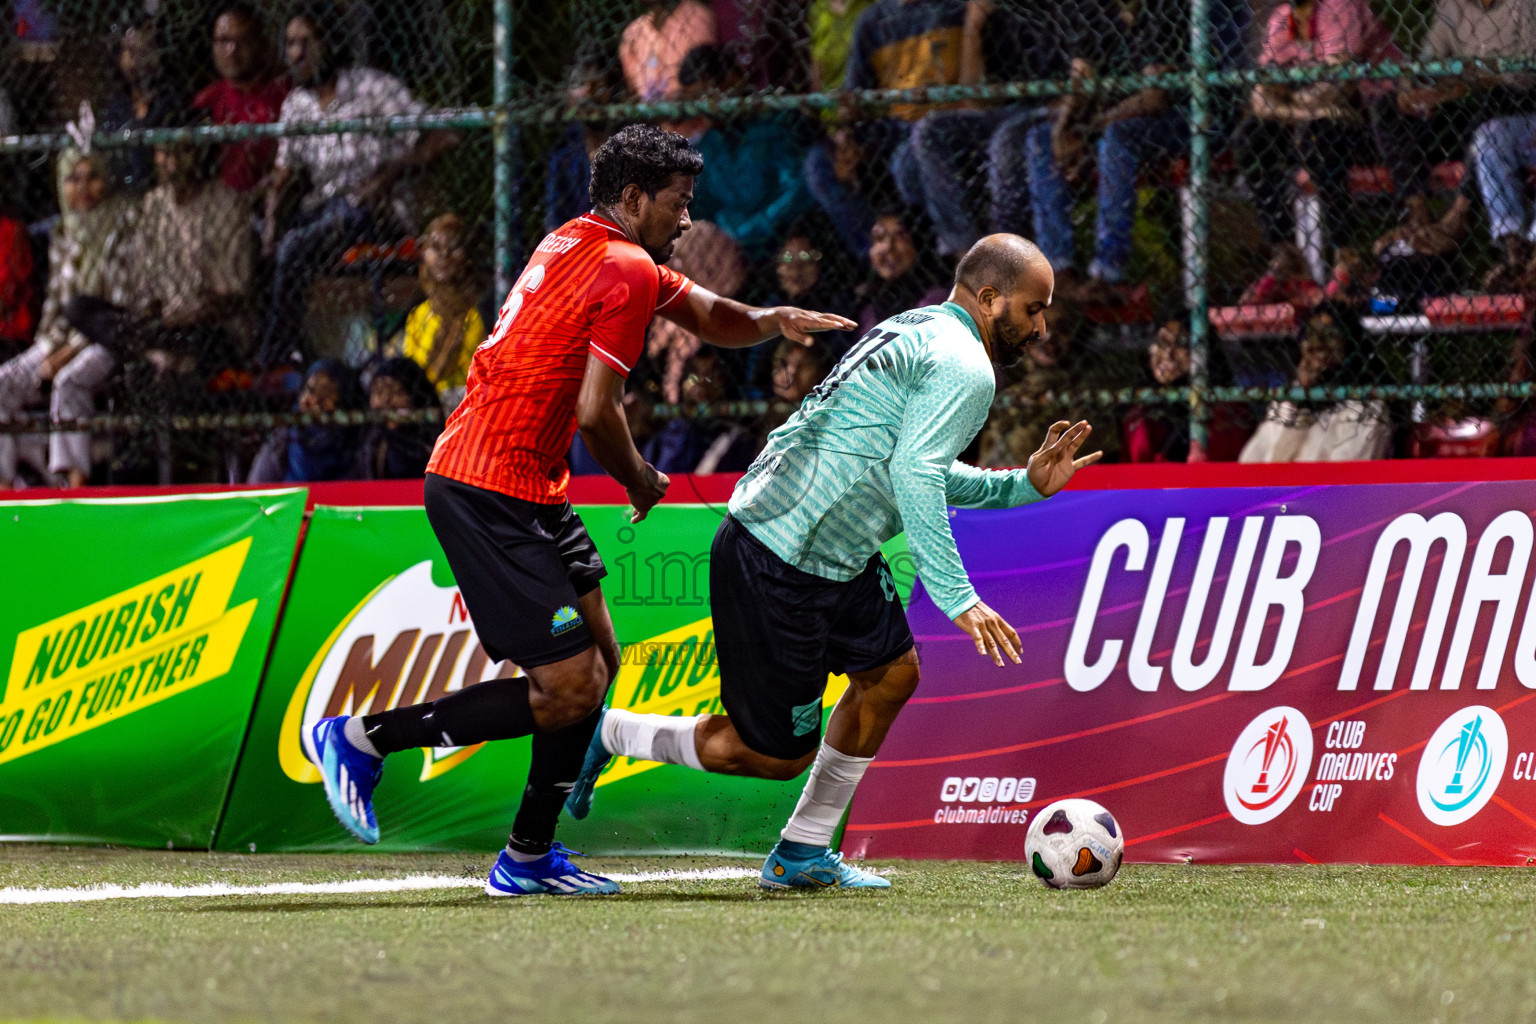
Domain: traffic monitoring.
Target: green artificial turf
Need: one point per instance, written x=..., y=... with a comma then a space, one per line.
x=950, y=942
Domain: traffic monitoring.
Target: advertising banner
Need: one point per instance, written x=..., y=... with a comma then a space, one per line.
x=137, y=631
x=1310, y=673
x=374, y=621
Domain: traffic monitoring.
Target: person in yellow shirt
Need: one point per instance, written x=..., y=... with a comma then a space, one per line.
x=442, y=333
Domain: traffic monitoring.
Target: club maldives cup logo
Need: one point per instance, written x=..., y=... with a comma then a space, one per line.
x=1461, y=764
x=1268, y=765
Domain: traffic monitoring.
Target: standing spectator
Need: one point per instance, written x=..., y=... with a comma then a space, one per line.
x=398, y=451
x=652, y=49
x=1317, y=126
x=1433, y=119
x=314, y=451
x=442, y=333
x=247, y=92
x=831, y=28
x=189, y=302
x=897, y=44
x=144, y=97
x=754, y=188
x=1503, y=151
x=900, y=278
x=90, y=255
x=353, y=176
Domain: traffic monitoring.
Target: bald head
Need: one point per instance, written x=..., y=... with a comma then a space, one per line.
x=1003, y=262
x=1005, y=283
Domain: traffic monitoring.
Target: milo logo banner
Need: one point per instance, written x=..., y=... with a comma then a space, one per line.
x=134, y=637
x=374, y=621
x=1338, y=673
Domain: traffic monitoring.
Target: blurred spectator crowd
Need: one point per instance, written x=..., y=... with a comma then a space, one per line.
x=1376, y=231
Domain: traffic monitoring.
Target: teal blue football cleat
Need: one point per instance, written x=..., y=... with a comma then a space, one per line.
x=349, y=776
x=551, y=874
x=579, y=803
x=800, y=866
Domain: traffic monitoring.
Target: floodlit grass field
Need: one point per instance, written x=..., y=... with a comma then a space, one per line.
x=950, y=942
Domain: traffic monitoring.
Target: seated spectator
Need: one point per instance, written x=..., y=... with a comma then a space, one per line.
x=592, y=80
x=1332, y=351
x=398, y=451
x=442, y=333
x=710, y=257
x=1503, y=152
x=803, y=282
x=91, y=254
x=144, y=96
x=897, y=44
x=900, y=280
x=1433, y=119
x=189, y=304
x=1287, y=279
x=1055, y=364
x=1160, y=432
x=754, y=188
x=1353, y=278
x=18, y=307
x=1316, y=126
x=699, y=441
x=248, y=91
x=1139, y=130
x=315, y=451
x=797, y=369
x=353, y=177
x=653, y=46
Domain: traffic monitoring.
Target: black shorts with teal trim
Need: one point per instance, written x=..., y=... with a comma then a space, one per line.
x=522, y=568
x=780, y=631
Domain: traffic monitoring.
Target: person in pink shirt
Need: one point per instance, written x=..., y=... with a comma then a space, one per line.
x=246, y=93
x=1316, y=126
x=652, y=48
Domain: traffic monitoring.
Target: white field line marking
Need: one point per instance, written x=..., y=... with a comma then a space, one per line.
x=411, y=883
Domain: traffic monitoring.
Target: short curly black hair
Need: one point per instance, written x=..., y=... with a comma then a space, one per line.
x=644, y=155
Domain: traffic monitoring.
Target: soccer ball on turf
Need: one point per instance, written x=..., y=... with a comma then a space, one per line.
x=1074, y=844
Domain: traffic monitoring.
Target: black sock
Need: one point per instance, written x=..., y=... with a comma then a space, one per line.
x=556, y=761
x=496, y=709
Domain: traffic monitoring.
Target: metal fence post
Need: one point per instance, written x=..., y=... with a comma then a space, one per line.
x=505, y=142
x=1200, y=217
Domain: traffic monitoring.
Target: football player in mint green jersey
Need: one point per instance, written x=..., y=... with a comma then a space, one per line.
x=798, y=588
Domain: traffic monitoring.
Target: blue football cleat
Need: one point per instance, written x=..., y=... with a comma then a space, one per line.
x=579, y=803
x=803, y=867
x=552, y=873
x=349, y=776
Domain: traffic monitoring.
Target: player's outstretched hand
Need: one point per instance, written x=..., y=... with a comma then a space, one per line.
x=991, y=633
x=643, y=499
x=800, y=324
x=1053, y=465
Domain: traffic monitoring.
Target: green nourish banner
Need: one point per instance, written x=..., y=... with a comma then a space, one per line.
x=134, y=631
x=374, y=621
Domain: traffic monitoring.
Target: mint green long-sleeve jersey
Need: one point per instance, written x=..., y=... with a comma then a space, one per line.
x=871, y=452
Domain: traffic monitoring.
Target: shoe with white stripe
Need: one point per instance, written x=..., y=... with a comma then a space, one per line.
x=349, y=776
x=552, y=873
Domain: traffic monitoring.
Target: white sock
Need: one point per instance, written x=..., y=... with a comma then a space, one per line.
x=826, y=797
x=356, y=735
x=664, y=738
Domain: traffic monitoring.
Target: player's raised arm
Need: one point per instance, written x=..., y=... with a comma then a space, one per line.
x=600, y=415
x=731, y=324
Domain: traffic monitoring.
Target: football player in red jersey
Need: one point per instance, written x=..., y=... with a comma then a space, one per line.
x=568, y=335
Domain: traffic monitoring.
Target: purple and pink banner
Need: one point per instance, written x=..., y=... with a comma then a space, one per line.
x=1298, y=673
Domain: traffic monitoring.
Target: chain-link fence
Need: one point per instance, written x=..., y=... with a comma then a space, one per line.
x=258, y=239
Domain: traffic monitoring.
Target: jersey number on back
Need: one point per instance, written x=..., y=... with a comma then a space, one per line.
x=867, y=346
x=526, y=285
